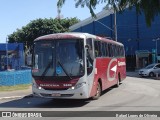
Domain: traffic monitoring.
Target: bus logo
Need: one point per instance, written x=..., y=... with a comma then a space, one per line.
x=112, y=70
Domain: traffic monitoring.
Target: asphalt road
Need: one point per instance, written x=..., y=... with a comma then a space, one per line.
x=134, y=94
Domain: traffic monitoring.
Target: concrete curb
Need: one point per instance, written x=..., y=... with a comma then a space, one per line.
x=11, y=97
x=15, y=97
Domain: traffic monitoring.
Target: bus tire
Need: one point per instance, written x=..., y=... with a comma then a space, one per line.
x=98, y=92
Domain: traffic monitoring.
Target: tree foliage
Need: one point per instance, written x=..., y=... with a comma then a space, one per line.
x=150, y=8
x=41, y=27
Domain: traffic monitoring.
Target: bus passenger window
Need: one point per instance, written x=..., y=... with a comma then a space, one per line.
x=113, y=50
x=97, y=47
x=106, y=49
x=110, y=50
x=90, y=57
x=103, y=50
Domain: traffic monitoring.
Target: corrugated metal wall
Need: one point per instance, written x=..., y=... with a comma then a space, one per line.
x=131, y=28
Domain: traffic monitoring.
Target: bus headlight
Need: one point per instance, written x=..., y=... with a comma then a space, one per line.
x=79, y=85
x=36, y=86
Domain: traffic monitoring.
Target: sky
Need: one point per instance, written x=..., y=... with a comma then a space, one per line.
x=17, y=13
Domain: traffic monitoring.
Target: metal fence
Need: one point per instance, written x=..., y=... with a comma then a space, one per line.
x=11, y=78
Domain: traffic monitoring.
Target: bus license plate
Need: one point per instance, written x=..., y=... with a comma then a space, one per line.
x=56, y=95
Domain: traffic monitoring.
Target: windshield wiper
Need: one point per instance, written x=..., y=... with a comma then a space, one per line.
x=46, y=69
x=64, y=70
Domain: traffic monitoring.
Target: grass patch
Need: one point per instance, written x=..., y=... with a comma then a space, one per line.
x=13, y=88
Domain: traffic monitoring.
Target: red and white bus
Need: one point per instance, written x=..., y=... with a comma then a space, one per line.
x=76, y=65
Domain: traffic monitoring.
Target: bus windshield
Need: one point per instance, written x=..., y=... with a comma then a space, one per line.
x=58, y=58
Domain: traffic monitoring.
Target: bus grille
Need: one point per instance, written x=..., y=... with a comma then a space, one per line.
x=55, y=88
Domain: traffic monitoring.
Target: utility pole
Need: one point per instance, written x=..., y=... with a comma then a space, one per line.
x=115, y=19
x=7, y=51
x=113, y=8
x=115, y=24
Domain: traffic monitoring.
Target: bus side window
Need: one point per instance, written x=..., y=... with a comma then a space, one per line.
x=103, y=50
x=110, y=50
x=96, y=48
x=89, y=42
x=121, y=53
x=90, y=57
x=113, y=50
x=116, y=54
x=118, y=51
x=100, y=48
x=106, y=49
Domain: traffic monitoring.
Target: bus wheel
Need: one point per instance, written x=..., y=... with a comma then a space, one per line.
x=98, y=92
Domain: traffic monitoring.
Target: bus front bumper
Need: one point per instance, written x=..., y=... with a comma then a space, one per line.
x=79, y=93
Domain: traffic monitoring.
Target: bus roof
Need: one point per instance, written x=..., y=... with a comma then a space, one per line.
x=75, y=35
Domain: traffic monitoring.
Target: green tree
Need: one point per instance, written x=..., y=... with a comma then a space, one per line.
x=41, y=27
x=150, y=8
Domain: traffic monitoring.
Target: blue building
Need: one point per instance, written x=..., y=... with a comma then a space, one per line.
x=11, y=56
x=139, y=39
